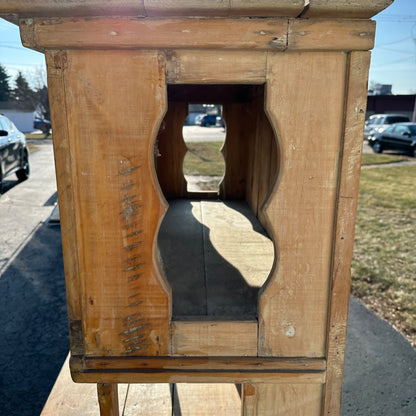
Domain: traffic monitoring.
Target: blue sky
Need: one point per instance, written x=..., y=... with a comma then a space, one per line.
x=393, y=58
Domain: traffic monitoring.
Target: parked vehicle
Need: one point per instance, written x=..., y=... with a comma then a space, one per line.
x=399, y=136
x=212, y=120
x=14, y=155
x=379, y=122
x=43, y=125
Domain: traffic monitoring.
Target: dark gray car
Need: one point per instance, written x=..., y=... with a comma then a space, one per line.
x=377, y=123
x=399, y=136
x=14, y=156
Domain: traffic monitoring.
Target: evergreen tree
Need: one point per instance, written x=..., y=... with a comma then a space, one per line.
x=22, y=95
x=4, y=85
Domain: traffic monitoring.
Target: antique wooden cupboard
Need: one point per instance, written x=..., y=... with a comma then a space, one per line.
x=292, y=79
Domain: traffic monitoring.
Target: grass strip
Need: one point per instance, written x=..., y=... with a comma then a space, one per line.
x=384, y=263
x=378, y=159
x=204, y=158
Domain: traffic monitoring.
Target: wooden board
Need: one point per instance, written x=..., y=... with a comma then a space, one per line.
x=158, y=8
x=64, y=159
x=116, y=202
x=282, y=400
x=206, y=399
x=276, y=34
x=200, y=364
x=170, y=151
x=201, y=67
x=316, y=34
x=214, y=338
x=300, y=210
x=165, y=33
x=148, y=400
x=346, y=8
x=347, y=199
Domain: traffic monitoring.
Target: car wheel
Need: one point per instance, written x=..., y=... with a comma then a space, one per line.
x=413, y=152
x=1, y=182
x=377, y=147
x=23, y=174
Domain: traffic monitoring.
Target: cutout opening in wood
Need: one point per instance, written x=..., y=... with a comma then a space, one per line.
x=204, y=133
x=214, y=250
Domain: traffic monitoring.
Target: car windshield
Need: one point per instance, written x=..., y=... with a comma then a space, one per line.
x=412, y=130
x=396, y=119
x=3, y=124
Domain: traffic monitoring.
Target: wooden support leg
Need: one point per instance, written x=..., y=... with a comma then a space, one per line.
x=108, y=399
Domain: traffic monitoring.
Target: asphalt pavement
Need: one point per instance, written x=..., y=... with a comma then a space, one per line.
x=380, y=367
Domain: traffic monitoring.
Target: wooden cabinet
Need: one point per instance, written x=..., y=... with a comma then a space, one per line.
x=294, y=94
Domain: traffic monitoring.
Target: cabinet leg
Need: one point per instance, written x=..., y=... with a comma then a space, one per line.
x=108, y=399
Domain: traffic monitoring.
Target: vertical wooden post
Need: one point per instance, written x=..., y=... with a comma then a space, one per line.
x=108, y=399
x=350, y=165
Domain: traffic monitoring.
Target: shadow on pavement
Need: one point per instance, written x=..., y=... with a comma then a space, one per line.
x=52, y=200
x=8, y=184
x=33, y=323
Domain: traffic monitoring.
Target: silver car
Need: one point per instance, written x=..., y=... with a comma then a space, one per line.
x=377, y=123
x=14, y=155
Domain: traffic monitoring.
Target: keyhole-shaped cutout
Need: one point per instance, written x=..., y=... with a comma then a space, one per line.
x=216, y=254
x=204, y=134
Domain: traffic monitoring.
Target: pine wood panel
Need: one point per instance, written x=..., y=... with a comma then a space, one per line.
x=347, y=198
x=282, y=400
x=158, y=8
x=346, y=8
x=206, y=399
x=254, y=162
x=204, y=363
x=300, y=211
x=214, y=338
x=113, y=118
x=266, y=7
x=267, y=149
x=213, y=376
x=239, y=122
x=263, y=157
x=257, y=34
x=148, y=400
x=65, y=171
x=170, y=151
x=317, y=34
x=201, y=67
x=72, y=7
x=253, y=34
